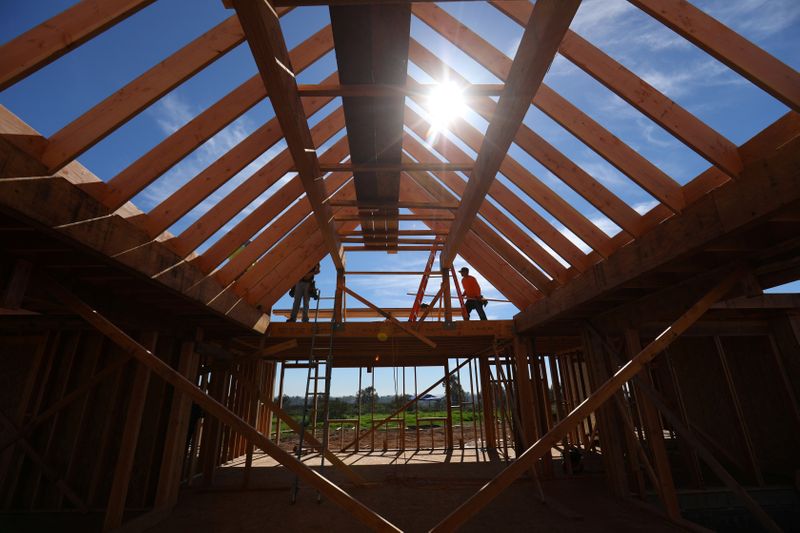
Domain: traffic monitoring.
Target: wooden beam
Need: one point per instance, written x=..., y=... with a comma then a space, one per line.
x=603, y=393
x=378, y=90
x=763, y=188
x=741, y=55
x=655, y=435
x=262, y=28
x=139, y=174
x=259, y=278
x=398, y=205
x=37, y=459
x=546, y=27
x=16, y=285
x=537, y=254
x=218, y=410
x=698, y=136
x=402, y=233
x=177, y=428
x=430, y=218
x=84, y=132
x=371, y=242
x=43, y=44
x=522, y=178
x=342, y=167
x=390, y=317
x=483, y=231
x=253, y=222
x=172, y=208
x=76, y=216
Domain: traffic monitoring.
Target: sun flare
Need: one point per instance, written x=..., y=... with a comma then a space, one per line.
x=445, y=103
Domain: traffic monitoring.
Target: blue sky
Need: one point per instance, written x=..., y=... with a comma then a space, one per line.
x=60, y=92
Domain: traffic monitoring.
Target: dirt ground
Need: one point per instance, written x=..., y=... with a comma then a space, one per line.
x=388, y=439
x=413, y=490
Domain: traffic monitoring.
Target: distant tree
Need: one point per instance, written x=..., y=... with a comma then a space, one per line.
x=457, y=395
x=367, y=395
x=338, y=408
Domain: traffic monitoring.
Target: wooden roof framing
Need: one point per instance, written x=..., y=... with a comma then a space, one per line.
x=302, y=220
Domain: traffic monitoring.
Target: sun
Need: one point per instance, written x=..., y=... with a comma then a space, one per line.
x=445, y=103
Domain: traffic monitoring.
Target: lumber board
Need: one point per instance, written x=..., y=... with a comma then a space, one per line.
x=764, y=70
x=78, y=217
x=264, y=36
x=43, y=44
x=147, y=168
x=90, y=128
x=686, y=127
x=546, y=27
x=764, y=187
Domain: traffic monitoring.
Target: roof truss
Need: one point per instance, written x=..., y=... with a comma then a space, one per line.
x=524, y=255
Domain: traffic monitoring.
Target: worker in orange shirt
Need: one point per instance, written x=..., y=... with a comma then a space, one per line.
x=472, y=292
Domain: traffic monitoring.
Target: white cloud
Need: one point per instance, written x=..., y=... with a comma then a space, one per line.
x=171, y=113
x=756, y=19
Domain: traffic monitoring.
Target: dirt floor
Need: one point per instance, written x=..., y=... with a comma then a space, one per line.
x=413, y=490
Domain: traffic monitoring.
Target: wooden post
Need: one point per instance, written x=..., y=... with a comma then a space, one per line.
x=338, y=301
x=607, y=419
x=210, y=444
x=655, y=435
x=737, y=405
x=174, y=444
x=448, y=308
x=525, y=395
x=449, y=399
x=130, y=437
x=488, y=402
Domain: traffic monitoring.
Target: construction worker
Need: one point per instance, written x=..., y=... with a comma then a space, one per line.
x=472, y=292
x=304, y=289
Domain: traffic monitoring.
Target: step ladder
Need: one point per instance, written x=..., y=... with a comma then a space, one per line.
x=319, y=370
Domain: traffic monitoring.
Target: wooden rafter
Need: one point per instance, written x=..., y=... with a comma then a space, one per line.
x=302, y=243
x=741, y=55
x=546, y=27
x=90, y=128
x=50, y=40
x=491, y=237
x=483, y=257
x=532, y=186
x=254, y=221
x=139, y=174
x=762, y=189
x=534, y=252
x=537, y=147
x=262, y=27
x=272, y=234
x=698, y=136
x=171, y=209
